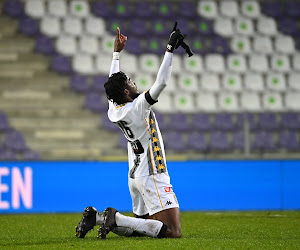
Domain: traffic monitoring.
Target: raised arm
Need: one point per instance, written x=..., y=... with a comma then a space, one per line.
x=165, y=69
x=119, y=45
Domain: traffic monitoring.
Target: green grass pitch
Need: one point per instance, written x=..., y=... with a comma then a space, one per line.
x=200, y=230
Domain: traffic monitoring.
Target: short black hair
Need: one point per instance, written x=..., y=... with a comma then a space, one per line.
x=115, y=87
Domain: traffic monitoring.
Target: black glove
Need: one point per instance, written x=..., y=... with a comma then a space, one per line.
x=175, y=39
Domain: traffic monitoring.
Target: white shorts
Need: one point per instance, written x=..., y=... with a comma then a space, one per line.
x=152, y=194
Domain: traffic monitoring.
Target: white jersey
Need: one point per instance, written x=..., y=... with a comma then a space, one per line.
x=146, y=154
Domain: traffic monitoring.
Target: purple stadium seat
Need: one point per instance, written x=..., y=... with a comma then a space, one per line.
x=134, y=46
x=107, y=124
x=196, y=141
x=155, y=46
x=61, y=64
x=200, y=45
x=238, y=140
x=240, y=119
x=143, y=9
x=13, y=8
x=219, y=141
x=187, y=9
x=4, y=123
x=8, y=155
x=29, y=26
x=174, y=141
x=288, y=26
x=122, y=10
x=247, y=117
x=98, y=82
x=45, y=45
x=204, y=27
x=95, y=102
x=14, y=141
x=223, y=121
x=201, y=122
x=263, y=141
x=137, y=27
x=267, y=121
x=113, y=23
x=183, y=25
x=164, y=10
x=179, y=122
x=273, y=9
x=220, y=45
x=101, y=9
x=290, y=121
x=292, y=9
x=30, y=155
x=159, y=27
x=288, y=140
x=162, y=121
x=79, y=83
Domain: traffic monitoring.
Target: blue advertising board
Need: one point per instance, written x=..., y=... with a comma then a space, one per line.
x=42, y=187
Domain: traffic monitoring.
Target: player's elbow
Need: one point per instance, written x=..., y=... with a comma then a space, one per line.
x=162, y=83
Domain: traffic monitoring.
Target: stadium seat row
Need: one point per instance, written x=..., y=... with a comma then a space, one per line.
x=149, y=63
x=208, y=9
x=217, y=63
x=12, y=143
x=69, y=44
x=230, y=102
x=208, y=122
x=137, y=27
x=190, y=83
x=211, y=103
x=250, y=8
x=220, y=141
x=229, y=82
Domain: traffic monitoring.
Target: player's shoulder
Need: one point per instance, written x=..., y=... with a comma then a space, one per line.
x=117, y=112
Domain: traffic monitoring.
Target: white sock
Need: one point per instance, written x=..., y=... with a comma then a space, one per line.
x=147, y=227
x=123, y=231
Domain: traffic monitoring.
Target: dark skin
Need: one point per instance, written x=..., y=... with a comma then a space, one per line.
x=170, y=217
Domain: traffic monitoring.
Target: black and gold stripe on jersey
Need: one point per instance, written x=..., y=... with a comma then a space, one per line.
x=158, y=161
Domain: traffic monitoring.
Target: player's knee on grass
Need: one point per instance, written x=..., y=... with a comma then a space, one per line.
x=176, y=233
x=171, y=218
x=173, y=233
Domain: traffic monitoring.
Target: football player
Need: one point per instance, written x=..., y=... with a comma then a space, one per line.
x=154, y=202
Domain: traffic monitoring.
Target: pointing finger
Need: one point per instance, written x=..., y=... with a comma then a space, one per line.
x=119, y=33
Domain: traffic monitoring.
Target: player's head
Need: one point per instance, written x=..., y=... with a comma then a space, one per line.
x=120, y=89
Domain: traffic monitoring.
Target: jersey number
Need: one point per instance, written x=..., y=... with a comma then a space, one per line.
x=136, y=145
x=127, y=131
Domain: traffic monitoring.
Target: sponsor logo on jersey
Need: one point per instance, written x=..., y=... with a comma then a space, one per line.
x=168, y=189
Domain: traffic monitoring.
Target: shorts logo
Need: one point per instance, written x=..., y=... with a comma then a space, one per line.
x=169, y=203
x=168, y=189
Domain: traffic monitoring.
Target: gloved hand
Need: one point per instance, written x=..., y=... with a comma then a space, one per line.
x=175, y=39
